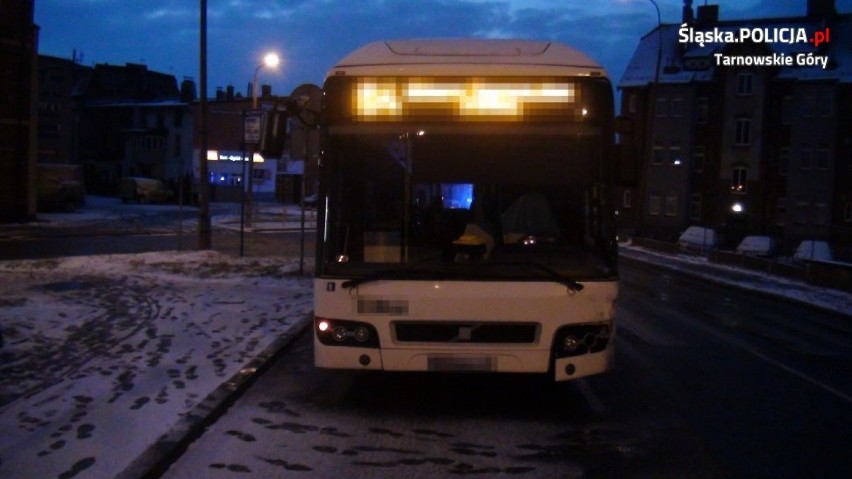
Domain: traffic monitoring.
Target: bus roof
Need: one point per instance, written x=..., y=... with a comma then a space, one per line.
x=481, y=57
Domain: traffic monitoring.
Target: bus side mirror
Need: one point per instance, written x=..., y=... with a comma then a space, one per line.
x=273, y=139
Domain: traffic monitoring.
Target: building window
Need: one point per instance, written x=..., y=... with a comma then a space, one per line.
x=783, y=160
x=781, y=211
x=825, y=103
x=744, y=84
x=787, y=110
x=627, y=199
x=743, y=132
x=803, y=209
x=177, y=145
x=674, y=155
x=676, y=107
x=809, y=105
x=654, y=205
x=671, y=204
x=178, y=119
x=821, y=157
x=695, y=207
x=661, y=108
x=739, y=179
x=805, y=155
x=658, y=154
x=698, y=158
x=632, y=103
x=702, y=107
x=820, y=217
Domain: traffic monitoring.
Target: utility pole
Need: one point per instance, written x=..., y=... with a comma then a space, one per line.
x=203, y=174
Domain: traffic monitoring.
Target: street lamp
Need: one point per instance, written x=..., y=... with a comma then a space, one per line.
x=270, y=60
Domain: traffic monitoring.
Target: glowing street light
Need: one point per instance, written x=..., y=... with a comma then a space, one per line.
x=270, y=60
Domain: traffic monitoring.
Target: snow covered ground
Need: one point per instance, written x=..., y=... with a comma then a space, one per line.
x=105, y=354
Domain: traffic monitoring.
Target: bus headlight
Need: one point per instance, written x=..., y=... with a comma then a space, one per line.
x=340, y=332
x=362, y=334
x=568, y=342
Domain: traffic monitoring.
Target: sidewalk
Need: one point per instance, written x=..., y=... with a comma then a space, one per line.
x=109, y=360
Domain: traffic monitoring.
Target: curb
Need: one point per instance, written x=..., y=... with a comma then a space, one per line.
x=168, y=448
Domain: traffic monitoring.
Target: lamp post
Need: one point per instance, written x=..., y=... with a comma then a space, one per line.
x=204, y=241
x=270, y=60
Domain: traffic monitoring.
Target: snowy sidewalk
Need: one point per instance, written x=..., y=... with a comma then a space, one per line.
x=105, y=355
x=788, y=289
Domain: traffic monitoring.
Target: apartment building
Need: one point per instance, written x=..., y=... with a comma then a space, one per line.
x=745, y=135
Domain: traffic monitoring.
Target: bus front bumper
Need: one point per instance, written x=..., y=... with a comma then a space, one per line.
x=503, y=361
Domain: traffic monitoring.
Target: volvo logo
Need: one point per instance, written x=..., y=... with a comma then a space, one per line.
x=465, y=334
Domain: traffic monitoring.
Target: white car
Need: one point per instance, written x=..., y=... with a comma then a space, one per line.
x=697, y=238
x=757, y=246
x=813, y=250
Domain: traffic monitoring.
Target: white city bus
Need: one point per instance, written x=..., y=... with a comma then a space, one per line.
x=464, y=221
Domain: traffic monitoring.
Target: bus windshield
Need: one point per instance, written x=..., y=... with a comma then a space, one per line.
x=412, y=203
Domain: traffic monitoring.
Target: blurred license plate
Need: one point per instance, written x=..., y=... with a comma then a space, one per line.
x=450, y=363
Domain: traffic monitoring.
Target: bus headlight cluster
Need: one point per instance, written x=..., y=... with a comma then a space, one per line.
x=339, y=332
x=580, y=339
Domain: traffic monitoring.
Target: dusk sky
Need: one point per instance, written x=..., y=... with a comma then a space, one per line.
x=311, y=35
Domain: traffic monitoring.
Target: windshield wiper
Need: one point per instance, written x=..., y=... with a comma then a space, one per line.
x=392, y=273
x=554, y=275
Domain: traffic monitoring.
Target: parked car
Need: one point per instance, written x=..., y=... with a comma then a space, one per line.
x=143, y=190
x=813, y=250
x=697, y=238
x=757, y=246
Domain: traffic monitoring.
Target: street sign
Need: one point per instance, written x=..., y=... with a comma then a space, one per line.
x=252, y=127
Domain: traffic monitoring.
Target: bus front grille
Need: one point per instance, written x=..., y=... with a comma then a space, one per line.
x=465, y=332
